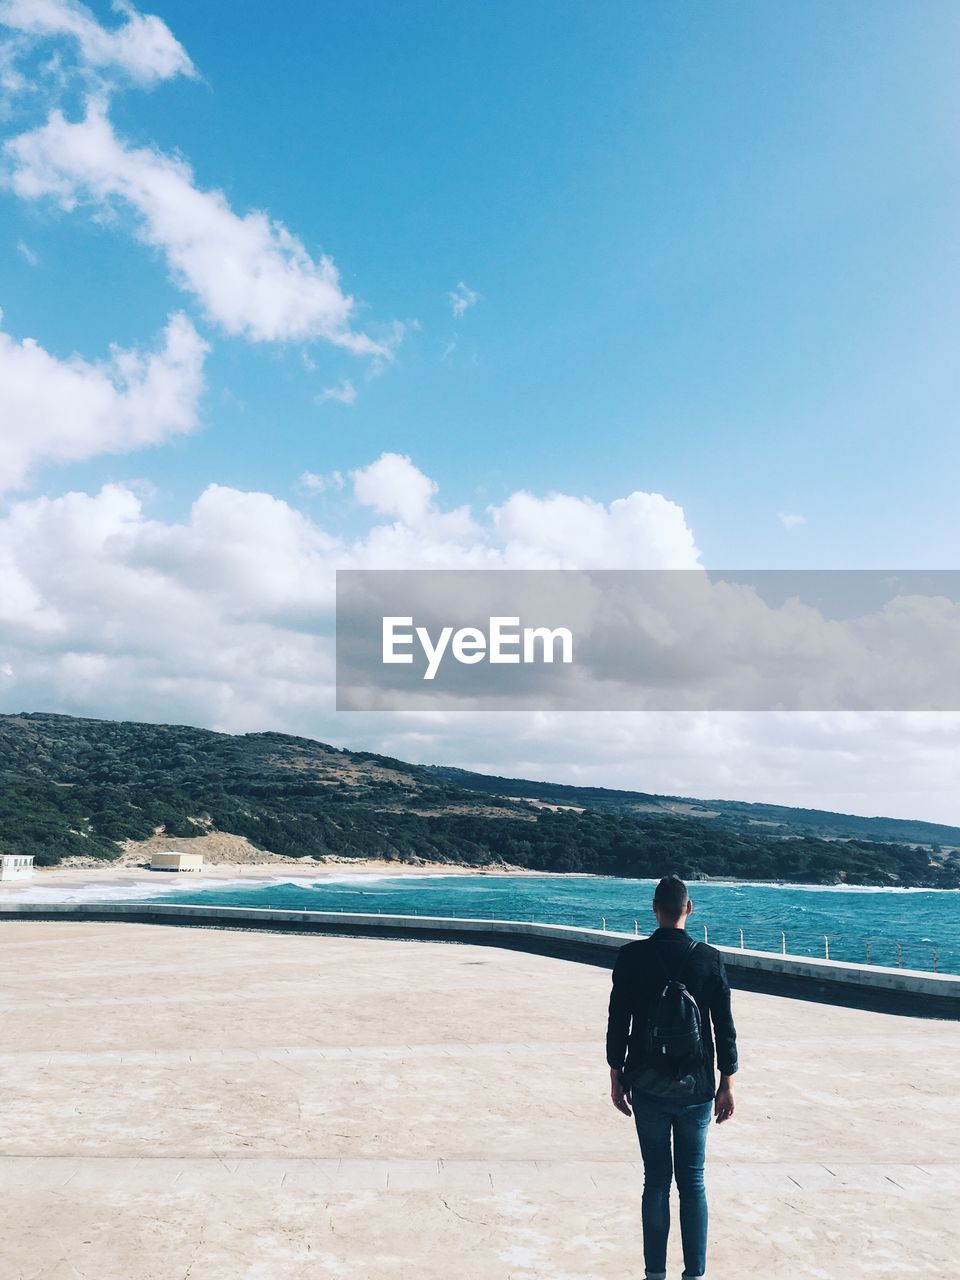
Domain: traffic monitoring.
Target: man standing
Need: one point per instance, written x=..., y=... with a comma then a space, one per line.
x=673, y=989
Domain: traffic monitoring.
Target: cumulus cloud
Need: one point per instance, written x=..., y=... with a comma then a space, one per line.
x=252, y=276
x=249, y=557
x=143, y=47
x=791, y=521
x=900, y=765
x=102, y=608
x=225, y=618
x=559, y=531
x=27, y=253
x=462, y=299
x=395, y=487
x=642, y=530
x=256, y=555
x=54, y=410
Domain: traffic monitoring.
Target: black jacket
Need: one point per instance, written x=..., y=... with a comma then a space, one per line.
x=638, y=979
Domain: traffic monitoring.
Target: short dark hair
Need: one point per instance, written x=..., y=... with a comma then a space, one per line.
x=671, y=897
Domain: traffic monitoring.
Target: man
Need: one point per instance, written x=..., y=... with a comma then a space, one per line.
x=671, y=1098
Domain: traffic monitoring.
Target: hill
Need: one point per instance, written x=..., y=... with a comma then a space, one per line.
x=73, y=786
x=735, y=814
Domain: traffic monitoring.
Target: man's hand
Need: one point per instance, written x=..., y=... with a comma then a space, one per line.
x=619, y=1096
x=723, y=1104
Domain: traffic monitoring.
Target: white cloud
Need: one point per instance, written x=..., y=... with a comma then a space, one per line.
x=255, y=555
x=224, y=620
x=462, y=299
x=395, y=487
x=249, y=556
x=13, y=82
x=27, y=253
x=143, y=47
x=343, y=393
x=97, y=601
x=791, y=521
x=641, y=531
x=252, y=276
x=312, y=482
x=54, y=410
x=896, y=764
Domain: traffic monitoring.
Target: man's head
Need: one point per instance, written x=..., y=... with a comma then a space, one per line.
x=671, y=903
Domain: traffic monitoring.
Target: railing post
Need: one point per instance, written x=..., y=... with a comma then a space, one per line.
x=603, y=923
x=826, y=947
x=636, y=927
x=783, y=943
x=899, y=955
x=936, y=966
x=705, y=933
x=741, y=939
x=868, y=950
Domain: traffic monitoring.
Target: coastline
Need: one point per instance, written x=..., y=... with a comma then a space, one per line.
x=856, y=920
x=116, y=875
x=133, y=870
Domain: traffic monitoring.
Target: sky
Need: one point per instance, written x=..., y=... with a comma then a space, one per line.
x=431, y=285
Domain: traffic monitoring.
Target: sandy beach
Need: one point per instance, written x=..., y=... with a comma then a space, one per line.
x=225, y=858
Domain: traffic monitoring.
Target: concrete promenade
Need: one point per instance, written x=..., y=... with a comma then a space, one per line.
x=206, y=1105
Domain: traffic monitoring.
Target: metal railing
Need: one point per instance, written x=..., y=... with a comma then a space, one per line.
x=917, y=954
x=922, y=954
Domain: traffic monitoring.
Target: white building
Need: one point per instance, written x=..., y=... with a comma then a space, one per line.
x=174, y=861
x=16, y=866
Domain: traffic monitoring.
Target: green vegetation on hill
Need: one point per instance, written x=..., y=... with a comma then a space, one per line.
x=735, y=814
x=75, y=786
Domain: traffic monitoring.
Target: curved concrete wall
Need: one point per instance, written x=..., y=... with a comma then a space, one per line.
x=837, y=982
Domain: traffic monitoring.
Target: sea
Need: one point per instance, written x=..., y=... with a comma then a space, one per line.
x=916, y=928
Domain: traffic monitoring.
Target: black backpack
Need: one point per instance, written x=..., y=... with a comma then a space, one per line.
x=674, y=1041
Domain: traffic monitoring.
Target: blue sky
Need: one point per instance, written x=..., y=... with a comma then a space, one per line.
x=709, y=251
x=715, y=248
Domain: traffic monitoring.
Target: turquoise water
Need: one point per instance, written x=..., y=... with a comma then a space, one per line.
x=854, y=920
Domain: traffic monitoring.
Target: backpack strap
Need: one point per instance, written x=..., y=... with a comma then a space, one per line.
x=673, y=977
x=689, y=952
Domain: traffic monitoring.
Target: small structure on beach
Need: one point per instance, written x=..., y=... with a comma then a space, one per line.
x=171, y=860
x=16, y=866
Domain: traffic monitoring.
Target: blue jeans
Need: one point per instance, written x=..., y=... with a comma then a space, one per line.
x=688, y=1122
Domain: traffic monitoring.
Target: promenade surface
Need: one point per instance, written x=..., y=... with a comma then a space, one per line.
x=189, y=1104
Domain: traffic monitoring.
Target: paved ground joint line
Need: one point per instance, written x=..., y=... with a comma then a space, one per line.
x=156, y=1174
